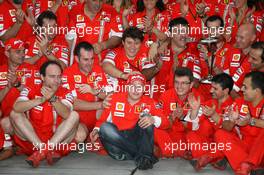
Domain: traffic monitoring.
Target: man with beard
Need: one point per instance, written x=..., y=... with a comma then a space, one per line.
x=42, y=118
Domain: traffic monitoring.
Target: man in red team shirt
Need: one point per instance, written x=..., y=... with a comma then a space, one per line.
x=46, y=44
x=213, y=114
x=126, y=128
x=255, y=61
x=129, y=57
x=245, y=37
x=13, y=77
x=13, y=22
x=182, y=53
x=43, y=118
x=239, y=13
x=95, y=23
x=88, y=84
x=244, y=118
x=177, y=103
x=226, y=57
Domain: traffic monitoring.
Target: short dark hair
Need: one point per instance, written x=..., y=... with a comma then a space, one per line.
x=178, y=21
x=184, y=71
x=46, y=15
x=259, y=45
x=257, y=79
x=134, y=33
x=141, y=7
x=44, y=66
x=224, y=80
x=215, y=18
x=82, y=45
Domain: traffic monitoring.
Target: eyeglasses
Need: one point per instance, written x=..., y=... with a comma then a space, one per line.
x=182, y=83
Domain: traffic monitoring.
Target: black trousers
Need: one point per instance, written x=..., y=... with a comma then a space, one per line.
x=127, y=144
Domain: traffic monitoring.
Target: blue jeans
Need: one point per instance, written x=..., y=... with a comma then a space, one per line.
x=127, y=144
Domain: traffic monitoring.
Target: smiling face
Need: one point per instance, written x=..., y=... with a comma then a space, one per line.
x=179, y=35
x=255, y=59
x=150, y=4
x=182, y=85
x=214, y=27
x=248, y=91
x=49, y=28
x=94, y=5
x=245, y=36
x=86, y=60
x=135, y=90
x=217, y=91
x=16, y=56
x=131, y=46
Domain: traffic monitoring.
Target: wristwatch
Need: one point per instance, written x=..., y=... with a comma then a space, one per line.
x=53, y=99
x=252, y=122
x=17, y=84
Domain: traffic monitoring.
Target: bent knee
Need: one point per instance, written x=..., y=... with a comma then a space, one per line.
x=15, y=116
x=81, y=133
x=74, y=116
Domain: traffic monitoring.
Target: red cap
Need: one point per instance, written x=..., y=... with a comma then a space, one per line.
x=2, y=138
x=15, y=43
x=136, y=77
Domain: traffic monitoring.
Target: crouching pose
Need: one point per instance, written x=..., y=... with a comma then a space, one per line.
x=126, y=129
x=42, y=118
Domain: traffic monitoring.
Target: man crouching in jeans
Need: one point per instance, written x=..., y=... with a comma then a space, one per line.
x=126, y=128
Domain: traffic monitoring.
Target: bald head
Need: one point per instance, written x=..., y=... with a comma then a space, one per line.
x=246, y=35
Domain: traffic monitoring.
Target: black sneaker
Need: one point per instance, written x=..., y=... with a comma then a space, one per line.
x=144, y=163
x=221, y=164
x=257, y=172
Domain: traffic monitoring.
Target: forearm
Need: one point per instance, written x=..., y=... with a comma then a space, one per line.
x=11, y=32
x=54, y=8
x=125, y=22
x=102, y=95
x=111, y=70
x=149, y=73
x=259, y=123
x=112, y=42
x=32, y=60
x=160, y=35
x=82, y=105
x=194, y=114
x=61, y=109
x=23, y=106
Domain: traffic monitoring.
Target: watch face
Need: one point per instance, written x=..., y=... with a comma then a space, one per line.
x=53, y=99
x=17, y=84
